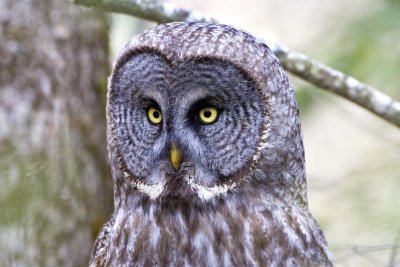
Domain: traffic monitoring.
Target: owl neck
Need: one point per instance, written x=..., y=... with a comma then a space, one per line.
x=251, y=191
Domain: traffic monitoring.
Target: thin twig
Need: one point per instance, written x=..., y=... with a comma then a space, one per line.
x=299, y=64
x=363, y=250
x=368, y=257
x=394, y=250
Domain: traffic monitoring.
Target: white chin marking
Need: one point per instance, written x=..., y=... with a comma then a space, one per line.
x=207, y=192
x=204, y=192
x=153, y=191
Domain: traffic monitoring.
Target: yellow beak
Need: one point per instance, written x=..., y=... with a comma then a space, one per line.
x=176, y=156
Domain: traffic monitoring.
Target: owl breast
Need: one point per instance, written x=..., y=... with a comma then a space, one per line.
x=222, y=234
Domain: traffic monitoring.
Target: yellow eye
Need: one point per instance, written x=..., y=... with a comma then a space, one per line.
x=208, y=115
x=155, y=115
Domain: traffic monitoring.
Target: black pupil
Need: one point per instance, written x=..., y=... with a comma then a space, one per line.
x=207, y=114
x=156, y=114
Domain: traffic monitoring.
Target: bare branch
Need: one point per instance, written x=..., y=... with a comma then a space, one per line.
x=147, y=9
x=339, y=83
x=299, y=64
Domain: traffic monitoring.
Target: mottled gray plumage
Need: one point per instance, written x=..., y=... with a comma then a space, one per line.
x=239, y=195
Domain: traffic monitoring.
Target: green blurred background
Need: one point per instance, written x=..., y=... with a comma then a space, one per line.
x=55, y=185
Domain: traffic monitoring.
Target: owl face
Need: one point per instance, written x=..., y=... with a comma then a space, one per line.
x=190, y=128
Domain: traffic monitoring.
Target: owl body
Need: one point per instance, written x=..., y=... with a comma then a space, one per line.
x=222, y=233
x=206, y=154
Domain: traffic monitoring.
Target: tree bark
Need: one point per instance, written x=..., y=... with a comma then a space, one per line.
x=55, y=185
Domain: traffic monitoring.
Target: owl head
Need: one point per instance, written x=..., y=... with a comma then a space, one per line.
x=198, y=111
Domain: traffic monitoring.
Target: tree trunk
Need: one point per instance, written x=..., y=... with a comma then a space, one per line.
x=55, y=185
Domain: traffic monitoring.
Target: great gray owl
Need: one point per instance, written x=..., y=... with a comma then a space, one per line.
x=206, y=154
